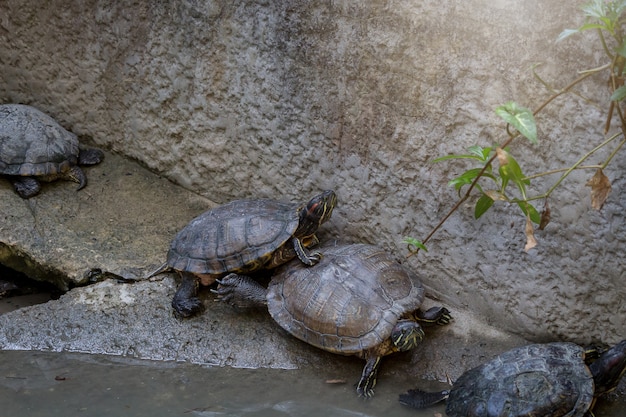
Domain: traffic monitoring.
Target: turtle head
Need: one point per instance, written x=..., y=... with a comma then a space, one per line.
x=406, y=335
x=316, y=212
x=609, y=368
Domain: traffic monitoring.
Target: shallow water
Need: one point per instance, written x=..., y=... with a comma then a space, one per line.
x=70, y=384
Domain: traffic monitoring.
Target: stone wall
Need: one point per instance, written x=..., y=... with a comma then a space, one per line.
x=285, y=98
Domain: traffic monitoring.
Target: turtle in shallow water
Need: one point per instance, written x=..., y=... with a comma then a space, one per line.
x=356, y=301
x=34, y=148
x=541, y=380
x=242, y=237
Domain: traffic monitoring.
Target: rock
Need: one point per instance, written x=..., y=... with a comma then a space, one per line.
x=120, y=225
x=118, y=229
x=282, y=99
x=136, y=320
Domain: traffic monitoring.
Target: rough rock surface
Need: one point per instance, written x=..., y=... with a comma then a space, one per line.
x=120, y=225
x=284, y=98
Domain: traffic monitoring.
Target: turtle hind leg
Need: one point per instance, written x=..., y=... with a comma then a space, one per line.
x=90, y=156
x=186, y=302
x=77, y=175
x=416, y=398
x=365, y=386
x=26, y=187
x=241, y=291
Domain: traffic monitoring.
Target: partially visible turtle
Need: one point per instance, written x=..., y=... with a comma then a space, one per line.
x=356, y=301
x=242, y=237
x=34, y=147
x=541, y=380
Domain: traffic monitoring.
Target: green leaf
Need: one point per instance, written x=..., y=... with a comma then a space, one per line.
x=567, y=33
x=520, y=118
x=595, y=8
x=414, y=245
x=619, y=94
x=530, y=211
x=510, y=170
x=480, y=152
x=588, y=26
x=482, y=205
x=448, y=157
x=465, y=178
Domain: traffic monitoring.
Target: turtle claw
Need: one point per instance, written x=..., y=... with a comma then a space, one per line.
x=240, y=291
x=364, y=392
x=312, y=258
x=226, y=288
x=435, y=315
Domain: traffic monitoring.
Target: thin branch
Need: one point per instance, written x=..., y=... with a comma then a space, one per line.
x=503, y=145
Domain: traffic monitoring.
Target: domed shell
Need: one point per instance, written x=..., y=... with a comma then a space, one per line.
x=34, y=144
x=536, y=380
x=348, y=302
x=237, y=237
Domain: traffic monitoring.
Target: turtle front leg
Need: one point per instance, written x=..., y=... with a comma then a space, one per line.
x=241, y=291
x=307, y=257
x=365, y=387
x=26, y=187
x=186, y=302
x=434, y=316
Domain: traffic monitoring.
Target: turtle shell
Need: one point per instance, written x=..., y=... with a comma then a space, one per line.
x=348, y=302
x=549, y=379
x=240, y=236
x=34, y=144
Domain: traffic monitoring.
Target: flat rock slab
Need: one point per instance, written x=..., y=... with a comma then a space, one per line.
x=115, y=231
x=119, y=225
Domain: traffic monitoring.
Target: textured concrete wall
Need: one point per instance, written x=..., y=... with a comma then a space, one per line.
x=285, y=98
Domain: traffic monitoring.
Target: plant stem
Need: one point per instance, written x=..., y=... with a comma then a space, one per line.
x=577, y=166
x=503, y=145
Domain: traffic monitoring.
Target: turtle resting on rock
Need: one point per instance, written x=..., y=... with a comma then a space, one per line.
x=356, y=301
x=542, y=380
x=34, y=147
x=242, y=237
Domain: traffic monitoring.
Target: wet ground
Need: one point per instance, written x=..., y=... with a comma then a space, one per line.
x=17, y=290
x=69, y=384
x=61, y=384
x=34, y=383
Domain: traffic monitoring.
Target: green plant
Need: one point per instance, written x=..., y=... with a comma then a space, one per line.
x=508, y=183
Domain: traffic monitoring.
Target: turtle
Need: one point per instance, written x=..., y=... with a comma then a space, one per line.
x=241, y=237
x=34, y=148
x=358, y=300
x=550, y=379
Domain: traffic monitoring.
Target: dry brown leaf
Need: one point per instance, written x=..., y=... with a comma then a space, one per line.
x=531, y=242
x=495, y=195
x=545, y=215
x=502, y=158
x=335, y=381
x=600, y=189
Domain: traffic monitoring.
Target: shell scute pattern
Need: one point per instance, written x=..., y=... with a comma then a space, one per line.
x=34, y=144
x=237, y=237
x=534, y=380
x=347, y=303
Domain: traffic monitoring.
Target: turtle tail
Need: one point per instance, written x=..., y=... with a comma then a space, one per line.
x=417, y=398
x=159, y=270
